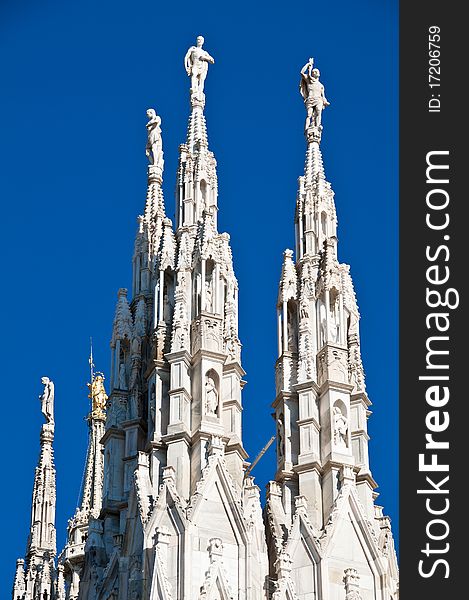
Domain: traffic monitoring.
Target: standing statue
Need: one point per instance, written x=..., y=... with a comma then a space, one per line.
x=154, y=149
x=97, y=395
x=47, y=400
x=208, y=297
x=340, y=428
x=196, y=65
x=280, y=436
x=312, y=91
x=211, y=396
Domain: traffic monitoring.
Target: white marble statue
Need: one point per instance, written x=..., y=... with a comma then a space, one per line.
x=154, y=149
x=196, y=65
x=340, y=428
x=47, y=399
x=211, y=396
x=208, y=297
x=312, y=91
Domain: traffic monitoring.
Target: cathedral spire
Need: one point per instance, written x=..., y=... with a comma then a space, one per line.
x=315, y=218
x=319, y=351
x=37, y=581
x=197, y=185
x=90, y=503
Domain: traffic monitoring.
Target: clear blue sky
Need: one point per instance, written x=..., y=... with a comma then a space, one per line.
x=77, y=78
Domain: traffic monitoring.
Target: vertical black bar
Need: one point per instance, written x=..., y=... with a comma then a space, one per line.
x=433, y=301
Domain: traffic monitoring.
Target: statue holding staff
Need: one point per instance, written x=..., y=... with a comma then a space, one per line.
x=312, y=91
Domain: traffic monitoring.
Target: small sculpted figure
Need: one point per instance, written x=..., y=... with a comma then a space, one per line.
x=211, y=396
x=340, y=428
x=196, y=65
x=47, y=399
x=154, y=149
x=208, y=297
x=312, y=91
x=98, y=394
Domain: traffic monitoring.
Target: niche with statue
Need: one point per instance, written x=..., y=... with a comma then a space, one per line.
x=212, y=394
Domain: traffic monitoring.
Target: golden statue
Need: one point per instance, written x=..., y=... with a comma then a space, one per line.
x=98, y=396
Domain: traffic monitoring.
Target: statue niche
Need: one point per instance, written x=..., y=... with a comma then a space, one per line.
x=339, y=426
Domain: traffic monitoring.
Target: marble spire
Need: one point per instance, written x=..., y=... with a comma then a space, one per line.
x=35, y=577
x=72, y=558
x=323, y=482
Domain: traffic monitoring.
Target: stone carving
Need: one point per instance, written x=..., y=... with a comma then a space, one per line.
x=47, y=399
x=196, y=65
x=154, y=149
x=211, y=396
x=312, y=91
x=304, y=309
x=352, y=583
x=340, y=424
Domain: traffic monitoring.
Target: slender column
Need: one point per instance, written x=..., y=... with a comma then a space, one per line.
x=160, y=297
x=341, y=339
x=117, y=363
x=216, y=290
x=285, y=326
x=202, y=290
x=279, y=331
x=327, y=301
x=113, y=363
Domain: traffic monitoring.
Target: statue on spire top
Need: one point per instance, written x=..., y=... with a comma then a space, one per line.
x=312, y=91
x=196, y=65
x=154, y=149
x=47, y=400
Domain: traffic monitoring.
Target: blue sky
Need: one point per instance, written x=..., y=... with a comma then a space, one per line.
x=77, y=78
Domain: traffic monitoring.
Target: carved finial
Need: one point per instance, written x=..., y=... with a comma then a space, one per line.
x=47, y=400
x=196, y=65
x=312, y=91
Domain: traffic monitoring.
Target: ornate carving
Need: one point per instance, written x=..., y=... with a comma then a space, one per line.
x=332, y=364
x=352, y=584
